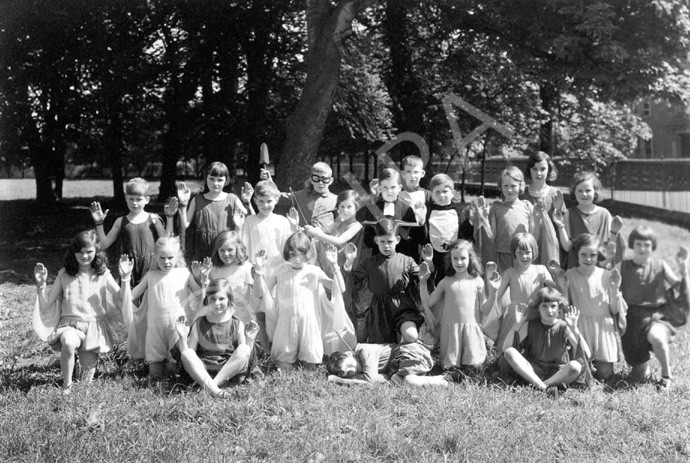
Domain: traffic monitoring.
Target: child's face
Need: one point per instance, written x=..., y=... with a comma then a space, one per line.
x=219, y=303
x=523, y=258
x=136, y=203
x=540, y=170
x=412, y=174
x=510, y=188
x=387, y=244
x=216, y=184
x=460, y=260
x=549, y=312
x=347, y=210
x=265, y=204
x=350, y=366
x=587, y=257
x=227, y=253
x=584, y=193
x=297, y=259
x=642, y=249
x=442, y=195
x=390, y=188
x=85, y=256
x=320, y=181
x=167, y=258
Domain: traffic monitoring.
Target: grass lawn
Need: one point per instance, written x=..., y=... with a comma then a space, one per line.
x=299, y=416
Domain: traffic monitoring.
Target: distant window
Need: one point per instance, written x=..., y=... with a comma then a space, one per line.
x=684, y=145
x=646, y=109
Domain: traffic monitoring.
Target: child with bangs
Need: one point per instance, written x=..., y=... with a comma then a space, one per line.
x=464, y=303
x=134, y=233
x=297, y=333
x=587, y=217
x=71, y=318
x=210, y=212
x=646, y=284
x=505, y=219
x=538, y=351
x=522, y=279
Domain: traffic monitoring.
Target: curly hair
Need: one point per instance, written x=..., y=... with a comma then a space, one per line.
x=334, y=364
x=85, y=239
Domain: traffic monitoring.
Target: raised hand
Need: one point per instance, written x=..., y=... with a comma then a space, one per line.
x=246, y=192
x=251, y=329
x=615, y=280
x=558, y=201
x=682, y=258
x=293, y=217
x=557, y=218
x=374, y=187
x=491, y=268
x=195, y=267
x=610, y=251
x=520, y=312
x=428, y=252
x=350, y=252
x=181, y=327
x=331, y=254
x=183, y=193
x=571, y=315
x=616, y=224
x=126, y=266
x=264, y=174
x=40, y=274
x=494, y=281
x=260, y=262
x=424, y=271
x=97, y=213
x=170, y=208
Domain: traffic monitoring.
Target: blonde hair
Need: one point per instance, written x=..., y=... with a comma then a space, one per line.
x=513, y=173
x=165, y=242
x=137, y=186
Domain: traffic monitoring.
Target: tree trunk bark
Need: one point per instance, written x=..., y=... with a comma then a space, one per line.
x=327, y=27
x=549, y=96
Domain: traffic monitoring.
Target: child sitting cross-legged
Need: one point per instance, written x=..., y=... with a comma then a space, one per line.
x=400, y=363
x=540, y=352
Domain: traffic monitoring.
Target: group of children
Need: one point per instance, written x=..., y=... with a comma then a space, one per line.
x=553, y=294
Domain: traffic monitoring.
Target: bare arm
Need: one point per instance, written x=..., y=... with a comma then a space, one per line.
x=341, y=240
x=41, y=276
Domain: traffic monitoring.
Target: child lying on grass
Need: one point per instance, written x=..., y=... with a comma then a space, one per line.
x=399, y=363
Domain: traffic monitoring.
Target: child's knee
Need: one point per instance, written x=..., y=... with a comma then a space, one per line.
x=658, y=336
x=409, y=332
x=573, y=367
x=70, y=342
x=243, y=352
x=511, y=354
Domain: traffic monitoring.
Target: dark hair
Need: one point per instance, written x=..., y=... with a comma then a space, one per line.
x=232, y=237
x=85, y=239
x=334, y=364
x=540, y=295
x=583, y=177
x=538, y=156
x=642, y=233
x=216, y=169
x=441, y=179
x=388, y=174
x=348, y=195
x=474, y=269
x=298, y=243
x=524, y=242
x=386, y=226
x=584, y=239
x=219, y=285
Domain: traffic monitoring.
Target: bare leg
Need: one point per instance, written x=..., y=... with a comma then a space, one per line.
x=565, y=375
x=409, y=332
x=426, y=380
x=236, y=364
x=658, y=337
x=88, y=361
x=70, y=343
x=522, y=367
x=263, y=334
x=640, y=371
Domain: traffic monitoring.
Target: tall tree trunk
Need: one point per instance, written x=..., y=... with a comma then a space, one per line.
x=113, y=143
x=327, y=27
x=549, y=99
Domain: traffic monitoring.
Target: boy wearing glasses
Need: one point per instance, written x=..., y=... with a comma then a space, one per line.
x=315, y=203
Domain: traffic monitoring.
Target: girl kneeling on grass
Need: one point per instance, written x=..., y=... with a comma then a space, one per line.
x=218, y=341
x=79, y=318
x=541, y=357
